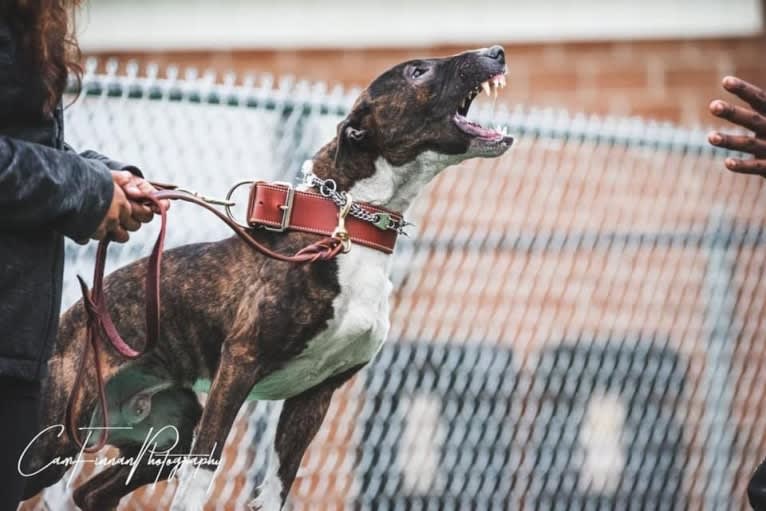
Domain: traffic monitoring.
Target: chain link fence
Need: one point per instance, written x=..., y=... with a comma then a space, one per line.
x=576, y=325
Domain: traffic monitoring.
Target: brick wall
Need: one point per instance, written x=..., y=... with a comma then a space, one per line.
x=663, y=80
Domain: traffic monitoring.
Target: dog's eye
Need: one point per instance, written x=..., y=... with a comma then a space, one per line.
x=417, y=72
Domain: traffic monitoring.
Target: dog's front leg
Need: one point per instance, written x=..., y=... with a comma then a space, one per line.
x=237, y=374
x=299, y=421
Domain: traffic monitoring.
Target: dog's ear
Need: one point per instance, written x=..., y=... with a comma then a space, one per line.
x=350, y=134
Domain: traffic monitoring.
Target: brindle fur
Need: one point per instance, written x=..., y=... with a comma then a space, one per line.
x=234, y=315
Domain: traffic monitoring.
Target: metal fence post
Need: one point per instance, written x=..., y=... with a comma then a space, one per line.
x=721, y=296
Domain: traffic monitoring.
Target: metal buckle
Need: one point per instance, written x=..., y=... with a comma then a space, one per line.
x=287, y=208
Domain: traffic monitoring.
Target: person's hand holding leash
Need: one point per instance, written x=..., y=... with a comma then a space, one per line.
x=127, y=211
x=119, y=217
x=136, y=189
x=753, y=119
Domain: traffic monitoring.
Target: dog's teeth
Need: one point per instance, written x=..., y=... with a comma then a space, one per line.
x=486, y=87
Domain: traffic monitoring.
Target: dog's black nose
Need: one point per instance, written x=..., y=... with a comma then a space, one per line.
x=496, y=53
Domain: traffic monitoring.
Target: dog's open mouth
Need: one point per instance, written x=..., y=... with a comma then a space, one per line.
x=473, y=129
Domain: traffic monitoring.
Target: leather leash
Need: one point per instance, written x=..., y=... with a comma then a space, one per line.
x=99, y=319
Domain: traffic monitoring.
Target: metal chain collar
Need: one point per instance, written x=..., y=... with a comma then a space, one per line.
x=329, y=188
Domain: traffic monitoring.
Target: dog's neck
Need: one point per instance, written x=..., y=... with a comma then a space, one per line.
x=373, y=179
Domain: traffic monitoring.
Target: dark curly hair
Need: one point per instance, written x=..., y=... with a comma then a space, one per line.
x=46, y=33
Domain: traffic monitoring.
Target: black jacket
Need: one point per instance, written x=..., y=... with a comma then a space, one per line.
x=47, y=191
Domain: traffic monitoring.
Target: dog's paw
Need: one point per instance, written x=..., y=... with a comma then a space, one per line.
x=88, y=502
x=268, y=496
x=189, y=501
x=193, y=490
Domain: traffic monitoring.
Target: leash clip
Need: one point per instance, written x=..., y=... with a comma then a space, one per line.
x=340, y=231
x=210, y=200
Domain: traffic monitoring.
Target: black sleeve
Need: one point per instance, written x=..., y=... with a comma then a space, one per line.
x=110, y=163
x=44, y=187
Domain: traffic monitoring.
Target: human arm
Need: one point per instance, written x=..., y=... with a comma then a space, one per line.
x=44, y=187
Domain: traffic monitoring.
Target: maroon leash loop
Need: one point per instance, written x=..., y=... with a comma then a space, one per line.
x=100, y=322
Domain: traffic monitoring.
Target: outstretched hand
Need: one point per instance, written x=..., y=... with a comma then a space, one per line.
x=752, y=119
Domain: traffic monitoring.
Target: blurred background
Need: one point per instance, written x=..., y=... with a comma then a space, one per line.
x=576, y=325
x=661, y=59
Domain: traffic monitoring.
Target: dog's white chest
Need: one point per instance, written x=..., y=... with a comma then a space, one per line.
x=353, y=336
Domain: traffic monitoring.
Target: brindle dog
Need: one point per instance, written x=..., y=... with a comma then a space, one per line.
x=261, y=327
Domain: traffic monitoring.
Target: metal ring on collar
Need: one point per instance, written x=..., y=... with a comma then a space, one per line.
x=328, y=188
x=228, y=198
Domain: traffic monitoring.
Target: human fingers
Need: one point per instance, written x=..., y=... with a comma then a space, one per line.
x=747, y=92
x=142, y=212
x=752, y=166
x=743, y=143
x=745, y=117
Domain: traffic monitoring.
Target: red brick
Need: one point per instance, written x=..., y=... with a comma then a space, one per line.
x=623, y=77
x=551, y=79
x=755, y=75
x=692, y=78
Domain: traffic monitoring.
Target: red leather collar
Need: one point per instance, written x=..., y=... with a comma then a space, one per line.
x=279, y=207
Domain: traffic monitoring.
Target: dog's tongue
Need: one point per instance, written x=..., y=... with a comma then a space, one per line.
x=476, y=129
